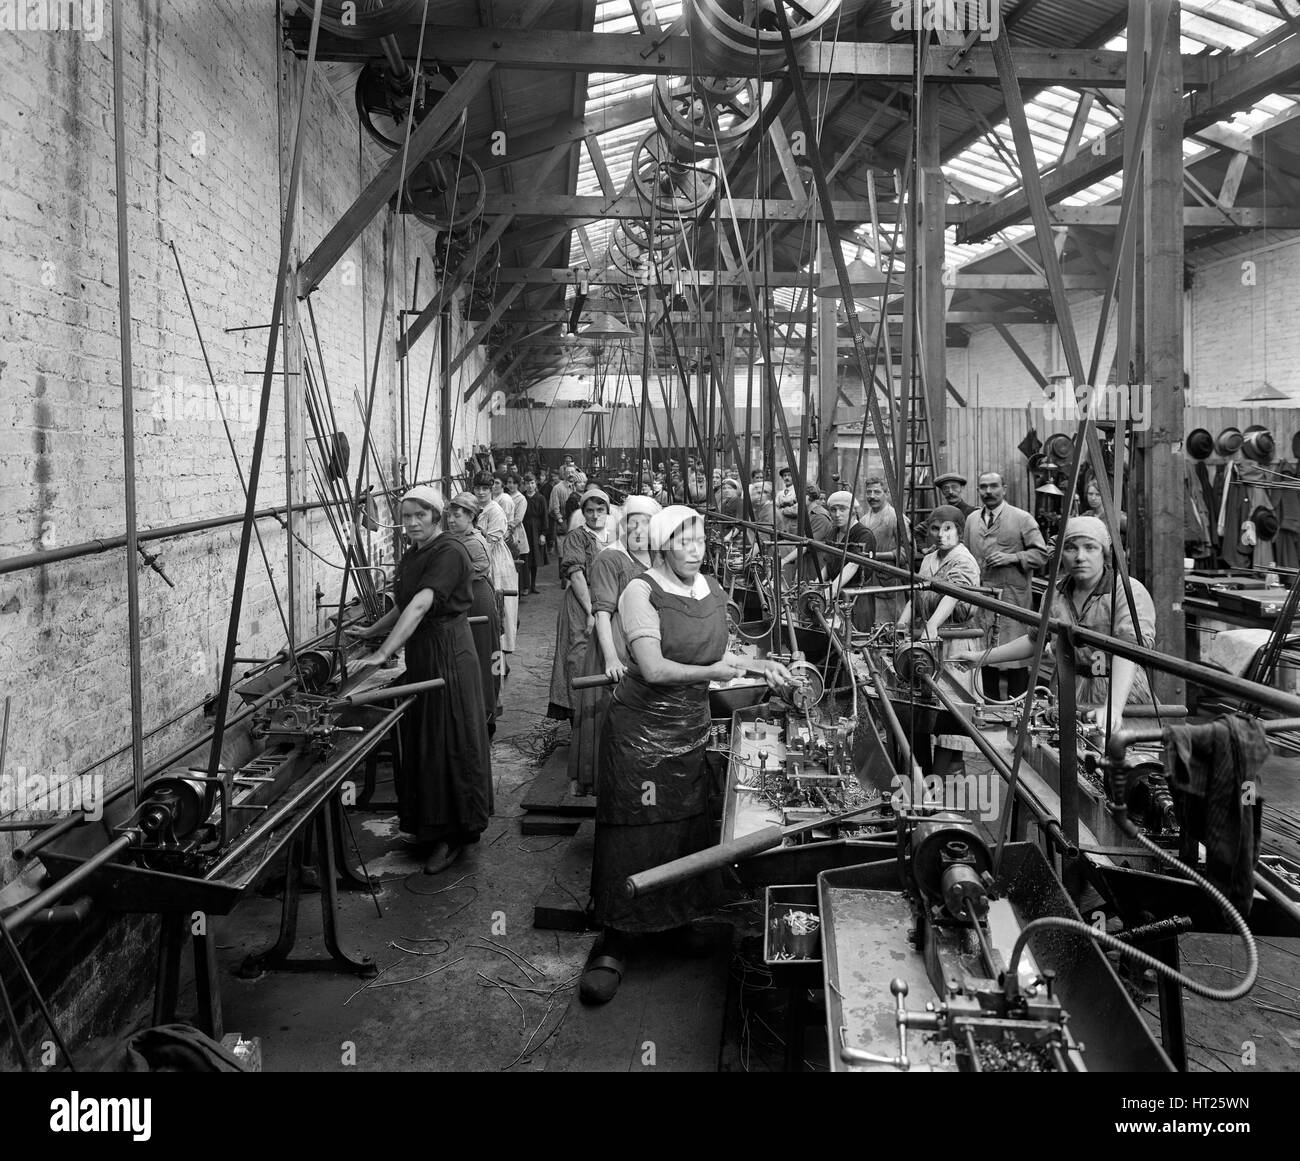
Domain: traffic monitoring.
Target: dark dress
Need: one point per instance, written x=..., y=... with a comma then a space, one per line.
x=652, y=786
x=486, y=634
x=577, y=550
x=535, y=520
x=444, y=786
x=607, y=578
x=860, y=541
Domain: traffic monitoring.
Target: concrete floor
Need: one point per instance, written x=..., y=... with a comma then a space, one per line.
x=436, y=927
x=433, y=1007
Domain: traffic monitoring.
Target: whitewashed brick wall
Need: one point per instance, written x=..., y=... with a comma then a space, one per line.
x=203, y=172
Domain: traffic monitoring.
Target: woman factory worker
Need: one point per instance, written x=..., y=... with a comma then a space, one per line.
x=495, y=526
x=651, y=792
x=444, y=784
x=462, y=512
x=577, y=619
x=627, y=556
x=951, y=561
x=1089, y=596
x=854, y=536
x=515, y=505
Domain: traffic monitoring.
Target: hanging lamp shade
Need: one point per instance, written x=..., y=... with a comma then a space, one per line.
x=1048, y=489
x=864, y=282
x=1265, y=393
x=606, y=326
x=596, y=409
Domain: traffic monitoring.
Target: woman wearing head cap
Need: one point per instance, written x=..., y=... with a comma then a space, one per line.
x=1090, y=595
x=850, y=535
x=444, y=782
x=462, y=512
x=577, y=618
x=651, y=785
x=627, y=556
x=495, y=526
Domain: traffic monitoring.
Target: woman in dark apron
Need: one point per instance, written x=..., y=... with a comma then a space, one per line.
x=651, y=786
x=444, y=784
x=462, y=512
x=627, y=556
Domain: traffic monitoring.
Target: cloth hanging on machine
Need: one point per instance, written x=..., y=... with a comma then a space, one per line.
x=1214, y=775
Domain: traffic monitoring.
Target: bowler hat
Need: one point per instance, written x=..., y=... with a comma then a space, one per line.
x=1265, y=521
x=1199, y=443
x=1257, y=444
x=1228, y=441
x=1059, y=448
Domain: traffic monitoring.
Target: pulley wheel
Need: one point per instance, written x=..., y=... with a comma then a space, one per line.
x=810, y=687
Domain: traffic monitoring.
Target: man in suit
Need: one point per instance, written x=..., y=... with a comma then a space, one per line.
x=1008, y=545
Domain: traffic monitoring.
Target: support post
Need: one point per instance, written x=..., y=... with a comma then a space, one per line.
x=932, y=294
x=1162, y=295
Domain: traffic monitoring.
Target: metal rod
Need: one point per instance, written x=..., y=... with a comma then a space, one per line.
x=28, y=560
x=15, y=919
x=994, y=759
x=1215, y=679
x=128, y=409
x=259, y=440
x=30, y=848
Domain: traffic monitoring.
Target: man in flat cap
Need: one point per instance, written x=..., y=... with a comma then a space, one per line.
x=950, y=485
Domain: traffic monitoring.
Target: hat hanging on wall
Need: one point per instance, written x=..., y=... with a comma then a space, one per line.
x=1228, y=441
x=1059, y=448
x=1257, y=444
x=1199, y=444
x=1295, y=446
x=1265, y=521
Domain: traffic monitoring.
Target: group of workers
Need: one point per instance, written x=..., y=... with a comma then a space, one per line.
x=636, y=609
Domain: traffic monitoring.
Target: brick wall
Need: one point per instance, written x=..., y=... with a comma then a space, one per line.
x=203, y=171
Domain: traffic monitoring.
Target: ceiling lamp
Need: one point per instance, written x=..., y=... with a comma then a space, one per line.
x=1265, y=393
x=864, y=282
x=606, y=326
x=596, y=409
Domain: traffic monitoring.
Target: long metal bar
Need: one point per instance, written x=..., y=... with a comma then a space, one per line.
x=1215, y=679
x=128, y=408
x=259, y=441
x=15, y=919
x=887, y=464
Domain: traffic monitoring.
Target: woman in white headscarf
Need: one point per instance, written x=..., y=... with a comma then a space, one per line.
x=577, y=618
x=627, y=556
x=1089, y=595
x=444, y=782
x=651, y=786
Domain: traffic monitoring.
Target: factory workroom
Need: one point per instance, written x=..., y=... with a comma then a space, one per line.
x=649, y=536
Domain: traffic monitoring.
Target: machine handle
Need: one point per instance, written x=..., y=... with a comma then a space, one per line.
x=769, y=838
x=1146, y=711
x=389, y=692
x=687, y=867
x=595, y=681
x=960, y=634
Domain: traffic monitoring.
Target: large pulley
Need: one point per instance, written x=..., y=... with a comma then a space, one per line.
x=384, y=103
